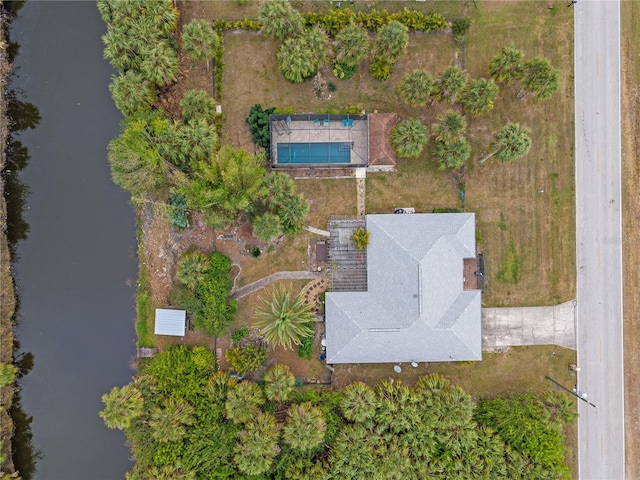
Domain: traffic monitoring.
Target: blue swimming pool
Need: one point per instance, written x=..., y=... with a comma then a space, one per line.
x=314, y=153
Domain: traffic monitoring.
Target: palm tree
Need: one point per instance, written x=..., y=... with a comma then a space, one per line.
x=278, y=383
x=280, y=188
x=358, y=403
x=506, y=65
x=280, y=20
x=267, y=226
x=257, y=445
x=317, y=41
x=160, y=63
x=284, y=321
x=479, y=95
x=243, y=402
x=409, y=138
x=169, y=424
x=192, y=269
x=296, y=60
x=449, y=128
x=352, y=45
x=510, y=143
x=122, y=406
x=391, y=40
x=452, y=155
x=540, y=78
x=131, y=91
x=449, y=85
x=305, y=427
x=199, y=40
x=198, y=105
x=292, y=214
x=416, y=88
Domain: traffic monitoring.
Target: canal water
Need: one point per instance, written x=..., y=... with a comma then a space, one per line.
x=76, y=267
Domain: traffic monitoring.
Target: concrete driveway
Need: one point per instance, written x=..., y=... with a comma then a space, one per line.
x=516, y=326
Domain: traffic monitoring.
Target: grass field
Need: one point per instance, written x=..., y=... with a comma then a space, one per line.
x=630, y=15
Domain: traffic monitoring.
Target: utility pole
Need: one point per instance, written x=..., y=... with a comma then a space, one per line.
x=576, y=393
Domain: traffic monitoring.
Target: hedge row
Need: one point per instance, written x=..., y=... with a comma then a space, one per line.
x=335, y=20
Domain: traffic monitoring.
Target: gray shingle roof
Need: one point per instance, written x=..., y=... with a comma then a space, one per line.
x=416, y=308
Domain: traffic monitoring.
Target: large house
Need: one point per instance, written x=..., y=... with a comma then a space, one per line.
x=421, y=301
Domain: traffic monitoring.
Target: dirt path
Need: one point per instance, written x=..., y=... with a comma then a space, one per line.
x=274, y=277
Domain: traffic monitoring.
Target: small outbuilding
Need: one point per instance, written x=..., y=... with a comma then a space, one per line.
x=171, y=322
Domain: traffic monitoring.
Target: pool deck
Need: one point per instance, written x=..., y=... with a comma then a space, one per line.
x=311, y=132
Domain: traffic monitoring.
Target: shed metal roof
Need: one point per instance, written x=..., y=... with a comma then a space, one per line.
x=415, y=308
x=170, y=322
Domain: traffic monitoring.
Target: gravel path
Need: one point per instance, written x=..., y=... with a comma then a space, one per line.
x=274, y=277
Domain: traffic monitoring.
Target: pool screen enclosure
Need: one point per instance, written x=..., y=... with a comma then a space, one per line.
x=319, y=140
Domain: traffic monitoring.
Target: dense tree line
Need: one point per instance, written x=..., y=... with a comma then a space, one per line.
x=185, y=419
x=179, y=161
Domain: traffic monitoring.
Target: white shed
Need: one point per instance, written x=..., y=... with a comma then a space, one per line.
x=171, y=322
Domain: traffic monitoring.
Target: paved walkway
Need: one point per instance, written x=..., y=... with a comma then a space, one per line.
x=263, y=282
x=317, y=231
x=506, y=327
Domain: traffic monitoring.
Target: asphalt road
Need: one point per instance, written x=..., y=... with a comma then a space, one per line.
x=599, y=239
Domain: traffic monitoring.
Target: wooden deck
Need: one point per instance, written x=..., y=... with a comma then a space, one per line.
x=471, y=279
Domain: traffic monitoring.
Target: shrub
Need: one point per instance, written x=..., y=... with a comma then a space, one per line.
x=361, y=238
x=217, y=311
x=305, y=349
x=246, y=359
x=258, y=121
x=344, y=72
x=239, y=334
x=184, y=298
x=460, y=27
x=331, y=87
x=177, y=212
x=380, y=68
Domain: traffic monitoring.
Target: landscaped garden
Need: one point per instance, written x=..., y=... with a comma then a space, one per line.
x=214, y=219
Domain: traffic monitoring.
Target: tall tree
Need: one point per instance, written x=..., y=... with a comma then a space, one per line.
x=285, y=321
x=540, y=78
x=391, y=41
x=416, y=87
x=192, y=269
x=280, y=20
x=450, y=127
x=409, y=137
x=122, y=406
x=449, y=85
x=243, y=402
x=278, y=383
x=198, y=105
x=131, y=92
x=358, y=403
x=169, y=422
x=136, y=164
x=305, y=427
x=160, y=63
x=452, y=155
x=199, y=40
x=510, y=143
x=300, y=57
x=267, y=226
x=506, y=65
x=257, y=445
x=479, y=95
x=292, y=214
x=351, y=45
x=224, y=185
